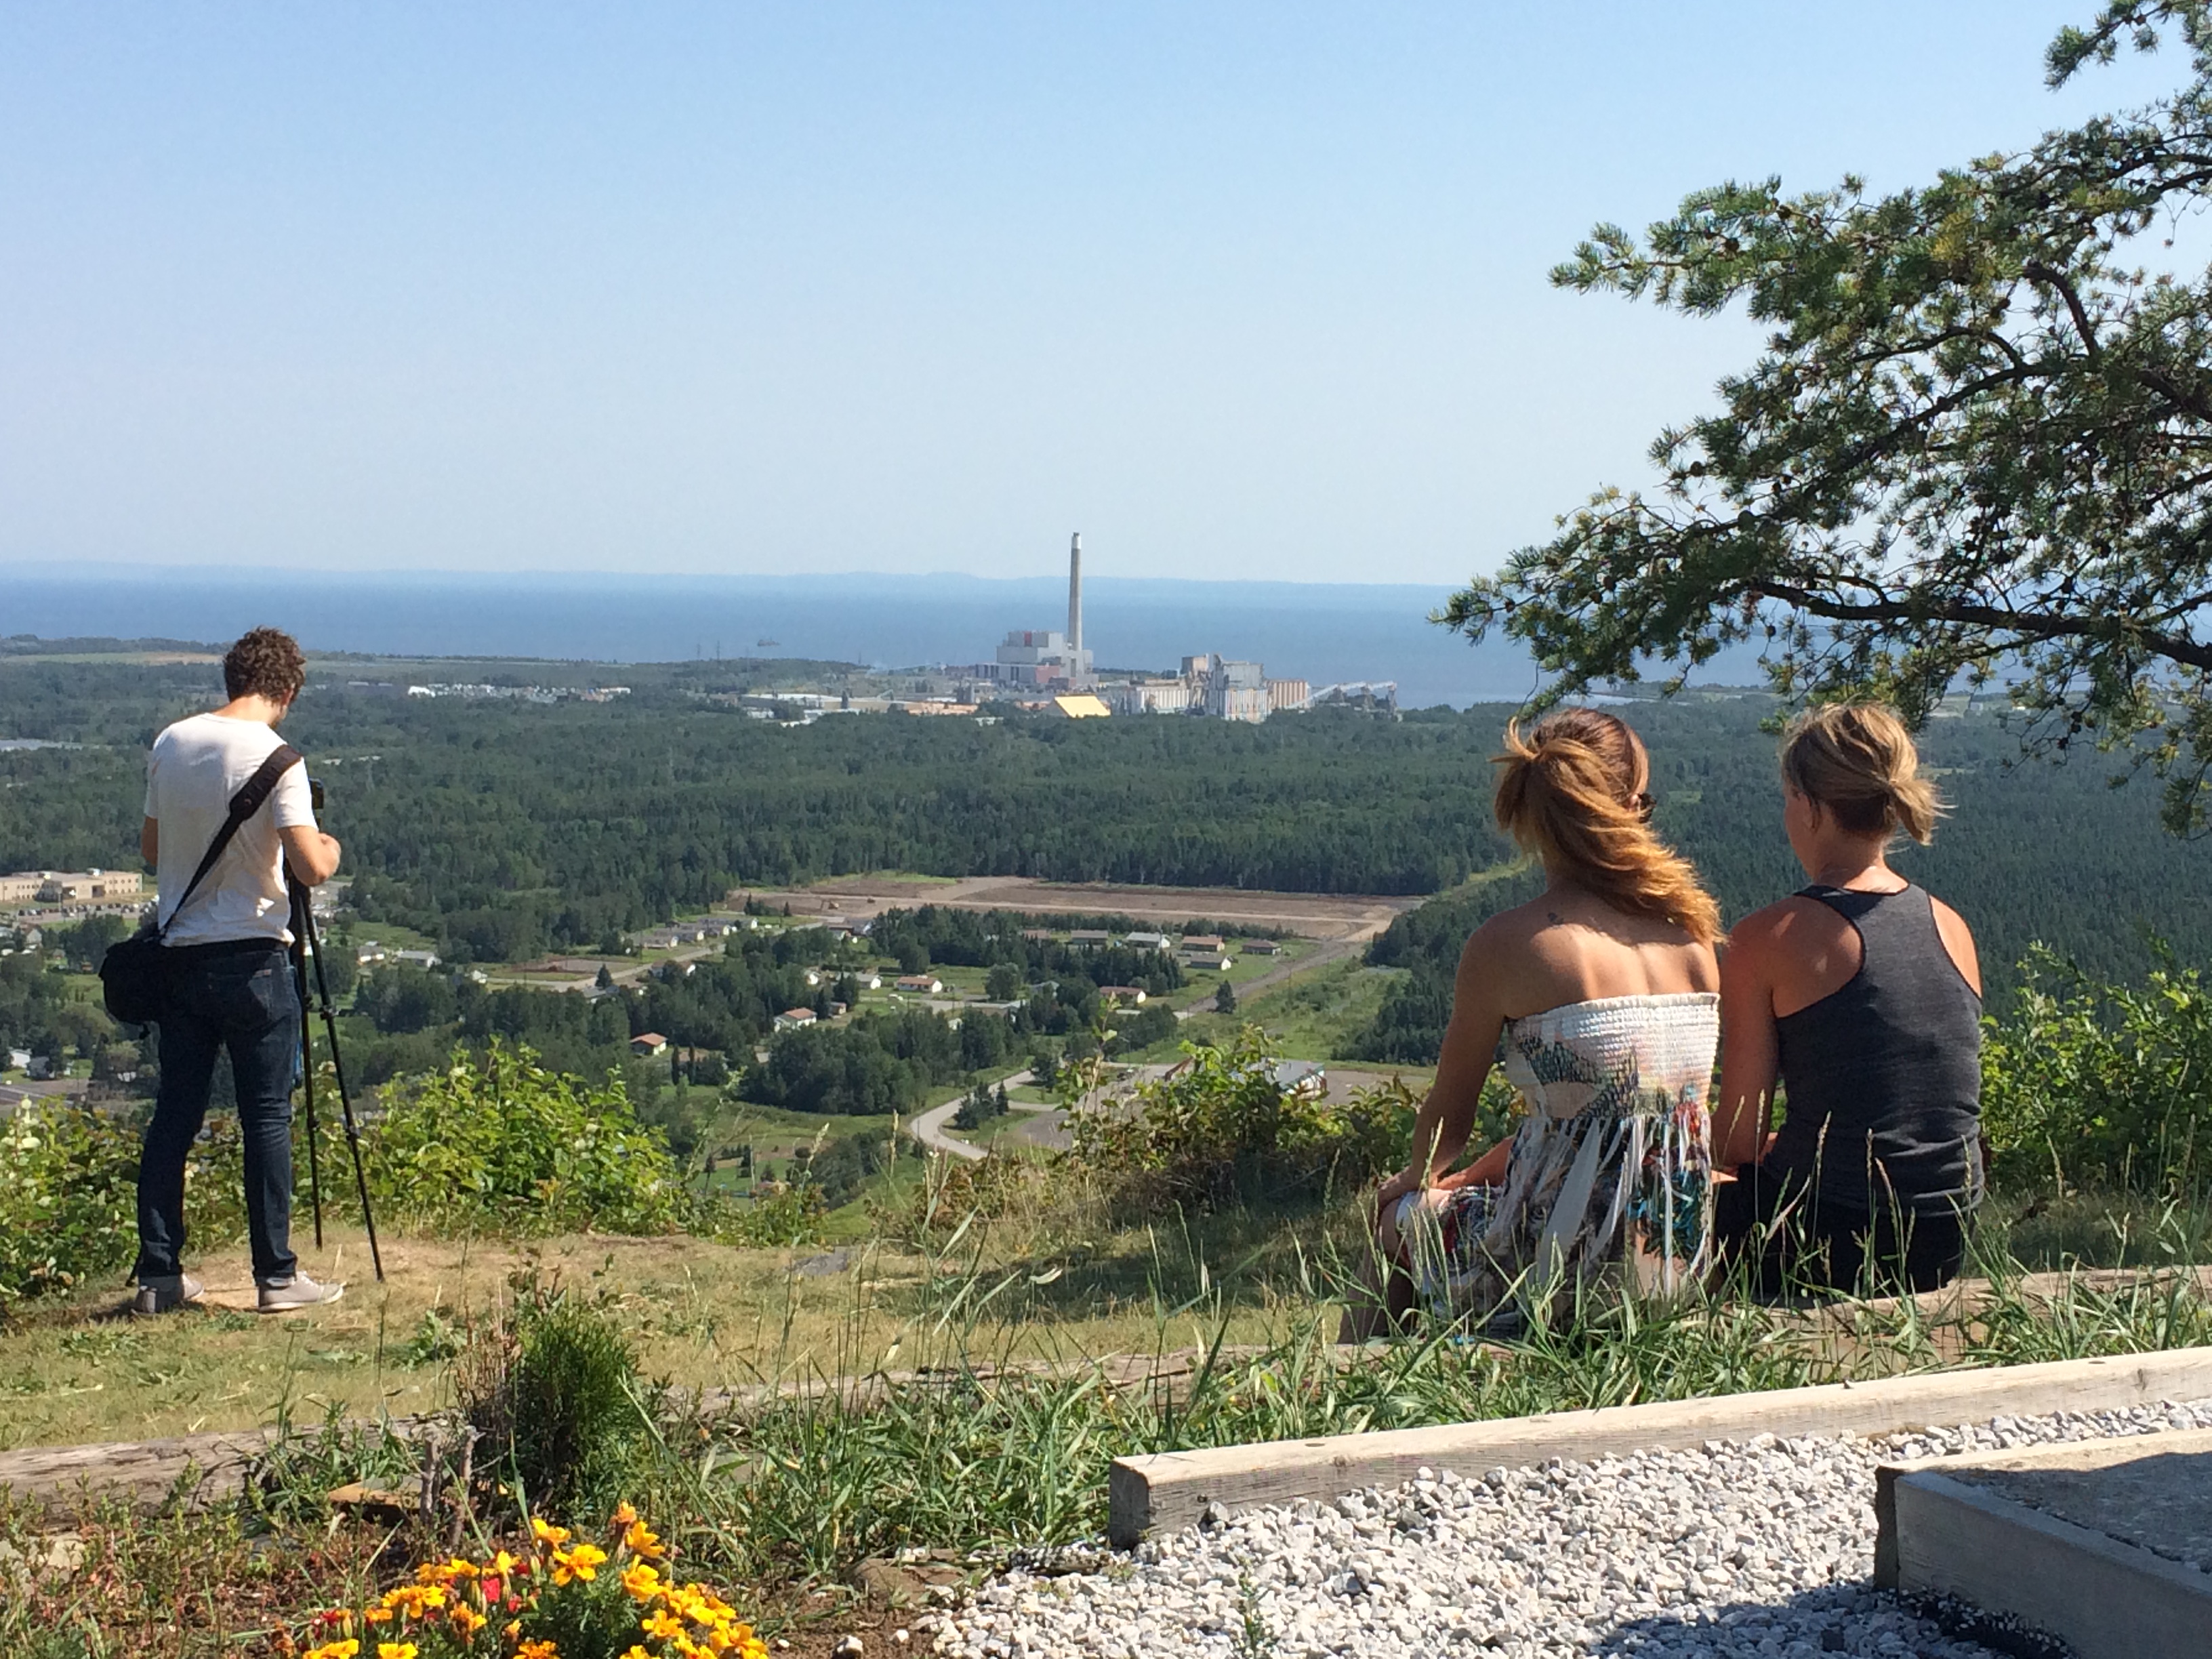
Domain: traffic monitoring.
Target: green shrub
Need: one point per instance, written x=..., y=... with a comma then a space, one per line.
x=1220, y=1128
x=551, y=1386
x=780, y=1214
x=2095, y=1084
x=504, y=1144
x=68, y=1197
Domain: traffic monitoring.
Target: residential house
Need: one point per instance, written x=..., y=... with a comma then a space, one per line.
x=1260, y=947
x=1145, y=941
x=1092, y=939
x=647, y=1044
x=792, y=1019
x=925, y=984
x=425, y=960
x=1213, y=962
x=1203, y=942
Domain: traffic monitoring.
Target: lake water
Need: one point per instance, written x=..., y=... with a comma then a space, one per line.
x=1323, y=634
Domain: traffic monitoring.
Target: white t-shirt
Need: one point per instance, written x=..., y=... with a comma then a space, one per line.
x=196, y=766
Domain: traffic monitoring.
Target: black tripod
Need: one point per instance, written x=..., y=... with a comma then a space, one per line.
x=304, y=945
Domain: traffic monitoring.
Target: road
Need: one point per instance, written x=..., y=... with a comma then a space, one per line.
x=929, y=1128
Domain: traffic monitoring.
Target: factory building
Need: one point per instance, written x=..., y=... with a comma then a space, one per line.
x=1042, y=660
x=1031, y=662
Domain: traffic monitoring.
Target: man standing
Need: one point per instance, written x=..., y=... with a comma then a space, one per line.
x=229, y=981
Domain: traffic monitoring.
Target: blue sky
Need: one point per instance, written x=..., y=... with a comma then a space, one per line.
x=1242, y=291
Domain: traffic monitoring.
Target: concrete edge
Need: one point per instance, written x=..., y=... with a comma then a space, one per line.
x=2105, y=1598
x=1166, y=1491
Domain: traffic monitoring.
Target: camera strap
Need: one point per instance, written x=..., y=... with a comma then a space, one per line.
x=243, y=805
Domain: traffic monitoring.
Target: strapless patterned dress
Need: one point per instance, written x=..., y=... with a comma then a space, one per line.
x=1610, y=1177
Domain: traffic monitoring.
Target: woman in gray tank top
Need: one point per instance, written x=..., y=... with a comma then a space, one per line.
x=1860, y=995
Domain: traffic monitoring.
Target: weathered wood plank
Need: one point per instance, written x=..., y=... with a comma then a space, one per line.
x=144, y=1473
x=1170, y=1490
x=2105, y=1599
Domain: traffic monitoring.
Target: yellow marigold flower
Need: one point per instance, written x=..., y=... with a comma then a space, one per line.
x=500, y=1565
x=376, y=1615
x=624, y=1514
x=343, y=1650
x=581, y=1564
x=637, y=1652
x=541, y=1649
x=466, y=1620
x=641, y=1580
x=553, y=1537
x=691, y=1650
x=665, y=1625
x=395, y=1651
x=514, y=1631
x=640, y=1540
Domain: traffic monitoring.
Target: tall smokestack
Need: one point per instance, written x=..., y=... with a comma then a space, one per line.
x=1075, y=596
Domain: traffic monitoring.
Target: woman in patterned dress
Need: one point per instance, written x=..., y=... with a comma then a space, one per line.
x=1601, y=999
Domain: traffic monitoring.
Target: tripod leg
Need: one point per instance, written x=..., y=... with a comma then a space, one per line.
x=308, y=1058
x=346, y=1099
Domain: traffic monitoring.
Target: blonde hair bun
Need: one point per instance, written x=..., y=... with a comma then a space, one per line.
x=1856, y=759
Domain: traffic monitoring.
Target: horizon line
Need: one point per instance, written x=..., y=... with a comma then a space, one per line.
x=82, y=570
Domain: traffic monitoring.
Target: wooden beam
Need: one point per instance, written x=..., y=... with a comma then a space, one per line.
x=2105, y=1598
x=1170, y=1490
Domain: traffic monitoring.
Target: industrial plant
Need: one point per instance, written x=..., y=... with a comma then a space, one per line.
x=1054, y=669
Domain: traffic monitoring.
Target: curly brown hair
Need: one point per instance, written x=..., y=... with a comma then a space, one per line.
x=266, y=662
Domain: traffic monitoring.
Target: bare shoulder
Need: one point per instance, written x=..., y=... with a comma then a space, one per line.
x=1771, y=928
x=1958, y=941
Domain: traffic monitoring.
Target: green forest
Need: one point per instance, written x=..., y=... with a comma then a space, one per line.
x=501, y=830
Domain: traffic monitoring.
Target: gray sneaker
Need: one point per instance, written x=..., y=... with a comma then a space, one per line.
x=289, y=1295
x=165, y=1293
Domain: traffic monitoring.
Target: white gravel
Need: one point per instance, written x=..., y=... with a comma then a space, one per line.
x=1763, y=1548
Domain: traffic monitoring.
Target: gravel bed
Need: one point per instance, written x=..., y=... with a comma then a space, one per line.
x=1757, y=1547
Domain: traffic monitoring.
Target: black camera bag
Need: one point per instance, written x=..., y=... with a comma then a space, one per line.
x=134, y=977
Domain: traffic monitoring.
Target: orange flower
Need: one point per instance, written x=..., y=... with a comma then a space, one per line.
x=537, y=1650
x=466, y=1620
x=552, y=1537
x=624, y=1514
x=641, y=1540
x=395, y=1651
x=376, y=1615
x=643, y=1581
x=341, y=1649
x=665, y=1625
x=514, y=1631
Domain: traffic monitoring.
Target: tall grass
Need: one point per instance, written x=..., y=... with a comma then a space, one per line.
x=1005, y=1442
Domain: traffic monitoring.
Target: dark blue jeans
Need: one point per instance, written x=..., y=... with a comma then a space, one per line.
x=237, y=995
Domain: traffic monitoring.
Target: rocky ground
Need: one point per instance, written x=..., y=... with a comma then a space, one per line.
x=1764, y=1547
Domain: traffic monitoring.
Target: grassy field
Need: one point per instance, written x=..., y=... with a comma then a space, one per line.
x=1311, y=1016
x=703, y=1314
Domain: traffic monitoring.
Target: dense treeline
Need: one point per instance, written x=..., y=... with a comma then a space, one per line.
x=938, y=934
x=502, y=830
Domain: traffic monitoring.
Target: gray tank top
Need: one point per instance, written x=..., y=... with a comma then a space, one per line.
x=1884, y=1075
